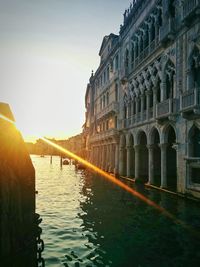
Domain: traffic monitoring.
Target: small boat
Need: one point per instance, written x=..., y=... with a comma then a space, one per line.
x=80, y=166
x=65, y=162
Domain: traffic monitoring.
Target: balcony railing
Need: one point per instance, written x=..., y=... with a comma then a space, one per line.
x=144, y=115
x=151, y=113
x=190, y=100
x=163, y=109
x=189, y=6
x=103, y=135
x=167, y=107
x=167, y=30
x=112, y=107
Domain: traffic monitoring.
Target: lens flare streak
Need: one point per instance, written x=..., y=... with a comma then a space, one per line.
x=6, y=119
x=123, y=186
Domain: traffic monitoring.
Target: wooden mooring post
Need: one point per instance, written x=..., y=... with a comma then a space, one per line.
x=17, y=196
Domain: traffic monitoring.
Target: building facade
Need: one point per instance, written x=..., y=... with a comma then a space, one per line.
x=143, y=101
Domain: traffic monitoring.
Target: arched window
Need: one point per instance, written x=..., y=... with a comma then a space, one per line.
x=139, y=103
x=125, y=112
x=153, y=30
x=141, y=43
x=126, y=59
x=194, y=150
x=132, y=54
x=116, y=62
x=104, y=101
x=160, y=19
x=194, y=78
x=116, y=92
x=151, y=98
x=145, y=100
x=158, y=93
x=172, y=9
x=146, y=37
x=107, y=98
x=170, y=73
x=108, y=73
x=136, y=49
x=129, y=110
x=134, y=106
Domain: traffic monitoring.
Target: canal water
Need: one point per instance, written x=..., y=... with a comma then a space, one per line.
x=87, y=221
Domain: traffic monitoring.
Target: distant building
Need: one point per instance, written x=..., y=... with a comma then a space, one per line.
x=75, y=144
x=143, y=101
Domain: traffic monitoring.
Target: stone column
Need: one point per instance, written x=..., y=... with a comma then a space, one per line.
x=109, y=158
x=113, y=157
x=151, y=164
x=103, y=157
x=163, y=148
x=128, y=170
x=95, y=153
x=121, y=161
x=99, y=157
x=92, y=156
x=148, y=104
x=154, y=101
x=137, y=154
x=142, y=106
x=106, y=157
x=99, y=163
x=116, y=170
x=163, y=91
x=136, y=109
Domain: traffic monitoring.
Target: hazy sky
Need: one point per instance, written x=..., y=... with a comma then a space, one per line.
x=47, y=51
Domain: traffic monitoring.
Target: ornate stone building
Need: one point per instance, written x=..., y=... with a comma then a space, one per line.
x=143, y=102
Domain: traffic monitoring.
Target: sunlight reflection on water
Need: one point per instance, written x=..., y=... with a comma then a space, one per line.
x=87, y=221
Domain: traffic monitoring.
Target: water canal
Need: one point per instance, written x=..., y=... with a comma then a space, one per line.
x=87, y=221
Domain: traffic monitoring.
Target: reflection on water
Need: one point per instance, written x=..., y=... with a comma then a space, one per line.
x=87, y=221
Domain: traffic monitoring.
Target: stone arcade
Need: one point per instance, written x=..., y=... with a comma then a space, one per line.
x=143, y=102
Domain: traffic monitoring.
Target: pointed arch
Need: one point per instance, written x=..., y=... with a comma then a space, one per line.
x=170, y=138
x=194, y=68
x=130, y=155
x=143, y=163
x=154, y=135
x=194, y=141
x=168, y=77
x=154, y=140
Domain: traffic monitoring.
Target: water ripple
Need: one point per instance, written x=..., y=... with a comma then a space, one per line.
x=90, y=222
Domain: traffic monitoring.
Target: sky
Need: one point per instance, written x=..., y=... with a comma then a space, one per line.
x=48, y=49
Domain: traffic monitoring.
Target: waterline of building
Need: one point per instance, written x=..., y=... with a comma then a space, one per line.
x=143, y=101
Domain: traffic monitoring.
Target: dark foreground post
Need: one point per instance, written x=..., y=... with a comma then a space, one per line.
x=17, y=197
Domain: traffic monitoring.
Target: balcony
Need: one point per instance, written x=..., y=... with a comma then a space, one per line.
x=98, y=137
x=167, y=31
x=136, y=119
x=167, y=108
x=190, y=103
x=111, y=108
x=190, y=7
